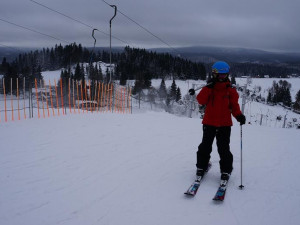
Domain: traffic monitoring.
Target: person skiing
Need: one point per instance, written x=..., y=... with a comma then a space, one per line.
x=221, y=101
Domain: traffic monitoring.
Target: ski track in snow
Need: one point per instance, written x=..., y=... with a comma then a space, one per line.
x=113, y=169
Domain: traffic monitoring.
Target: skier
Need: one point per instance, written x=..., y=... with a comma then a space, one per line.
x=221, y=100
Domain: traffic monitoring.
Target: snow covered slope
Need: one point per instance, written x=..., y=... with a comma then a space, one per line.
x=123, y=169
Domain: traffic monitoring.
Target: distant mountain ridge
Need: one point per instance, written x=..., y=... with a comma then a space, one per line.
x=236, y=55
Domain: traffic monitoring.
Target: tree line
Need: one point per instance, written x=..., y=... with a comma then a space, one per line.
x=280, y=93
x=142, y=65
x=131, y=63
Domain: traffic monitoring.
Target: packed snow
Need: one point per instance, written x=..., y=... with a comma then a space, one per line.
x=115, y=168
x=134, y=168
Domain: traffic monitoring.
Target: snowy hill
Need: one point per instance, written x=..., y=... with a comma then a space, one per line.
x=134, y=168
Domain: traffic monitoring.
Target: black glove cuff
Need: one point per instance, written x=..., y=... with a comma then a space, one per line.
x=192, y=91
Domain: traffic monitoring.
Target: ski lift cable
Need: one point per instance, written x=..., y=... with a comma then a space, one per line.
x=61, y=13
x=76, y=20
x=144, y=28
x=35, y=31
x=14, y=48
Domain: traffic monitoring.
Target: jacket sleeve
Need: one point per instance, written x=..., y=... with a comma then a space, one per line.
x=234, y=98
x=204, y=95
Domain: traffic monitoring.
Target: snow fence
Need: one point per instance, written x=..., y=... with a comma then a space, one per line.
x=23, y=99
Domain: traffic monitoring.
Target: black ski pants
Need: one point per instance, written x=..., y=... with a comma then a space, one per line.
x=222, y=135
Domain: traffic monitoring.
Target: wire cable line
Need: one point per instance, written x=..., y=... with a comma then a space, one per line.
x=32, y=30
x=76, y=20
x=144, y=28
x=14, y=48
x=53, y=10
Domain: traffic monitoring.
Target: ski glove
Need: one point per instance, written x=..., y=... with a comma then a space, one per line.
x=241, y=118
x=192, y=91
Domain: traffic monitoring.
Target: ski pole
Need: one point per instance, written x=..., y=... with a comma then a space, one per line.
x=241, y=186
x=243, y=108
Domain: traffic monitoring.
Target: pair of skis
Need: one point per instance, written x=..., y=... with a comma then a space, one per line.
x=220, y=194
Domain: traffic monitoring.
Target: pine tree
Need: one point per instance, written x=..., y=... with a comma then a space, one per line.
x=77, y=74
x=82, y=73
x=173, y=90
x=280, y=92
x=137, y=88
x=162, y=92
x=284, y=93
x=168, y=103
x=94, y=73
x=297, y=97
x=4, y=66
x=178, y=94
x=39, y=73
x=11, y=74
x=297, y=101
x=275, y=92
x=269, y=98
x=287, y=99
x=147, y=79
x=152, y=95
x=123, y=79
x=99, y=73
x=202, y=71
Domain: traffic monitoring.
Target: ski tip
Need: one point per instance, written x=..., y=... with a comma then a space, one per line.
x=220, y=196
x=218, y=199
x=188, y=194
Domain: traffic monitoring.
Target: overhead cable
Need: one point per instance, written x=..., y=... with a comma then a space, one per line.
x=35, y=31
x=77, y=20
x=61, y=14
x=144, y=28
x=14, y=48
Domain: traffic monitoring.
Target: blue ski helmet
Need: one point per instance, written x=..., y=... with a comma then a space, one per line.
x=220, y=67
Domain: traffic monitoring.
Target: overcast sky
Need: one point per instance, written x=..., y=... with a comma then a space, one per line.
x=261, y=24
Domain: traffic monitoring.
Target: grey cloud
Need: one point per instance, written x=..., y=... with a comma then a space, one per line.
x=261, y=24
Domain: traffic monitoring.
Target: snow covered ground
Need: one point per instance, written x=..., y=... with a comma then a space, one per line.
x=51, y=75
x=113, y=169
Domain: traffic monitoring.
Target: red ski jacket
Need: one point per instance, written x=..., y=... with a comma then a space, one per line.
x=221, y=101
